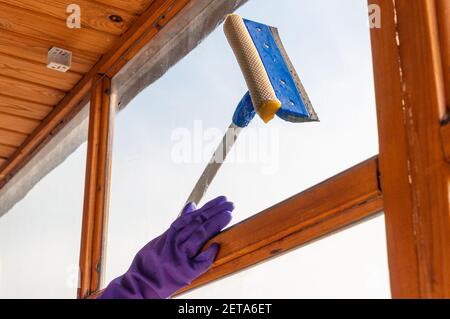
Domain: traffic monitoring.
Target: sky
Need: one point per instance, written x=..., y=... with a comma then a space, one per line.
x=164, y=138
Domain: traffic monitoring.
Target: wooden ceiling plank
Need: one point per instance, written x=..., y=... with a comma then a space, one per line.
x=15, y=106
x=6, y=151
x=29, y=91
x=135, y=7
x=11, y=138
x=53, y=30
x=140, y=33
x=36, y=50
x=73, y=101
x=171, y=11
x=18, y=123
x=93, y=15
x=37, y=73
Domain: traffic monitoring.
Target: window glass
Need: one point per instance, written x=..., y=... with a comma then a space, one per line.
x=40, y=235
x=167, y=134
x=349, y=264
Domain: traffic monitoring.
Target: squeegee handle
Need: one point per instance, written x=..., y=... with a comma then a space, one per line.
x=245, y=112
x=242, y=117
x=214, y=164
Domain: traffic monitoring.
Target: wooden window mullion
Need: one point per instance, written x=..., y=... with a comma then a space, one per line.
x=97, y=184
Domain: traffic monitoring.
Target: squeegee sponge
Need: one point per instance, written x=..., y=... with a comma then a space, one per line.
x=261, y=90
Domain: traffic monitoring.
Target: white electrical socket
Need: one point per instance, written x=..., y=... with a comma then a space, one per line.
x=59, y=59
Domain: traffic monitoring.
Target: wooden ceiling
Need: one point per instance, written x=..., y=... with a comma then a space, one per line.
x=30, y=93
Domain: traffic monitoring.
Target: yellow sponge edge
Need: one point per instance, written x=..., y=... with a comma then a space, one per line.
x=263, y=96
x=268, y=109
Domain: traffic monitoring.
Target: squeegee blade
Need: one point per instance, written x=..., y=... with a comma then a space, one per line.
x=295, y=103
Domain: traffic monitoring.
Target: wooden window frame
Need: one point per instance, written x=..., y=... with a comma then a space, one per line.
x=97, y=85
x=415, y=176
x=97, y=186
x=339, y=202
x=409, y=180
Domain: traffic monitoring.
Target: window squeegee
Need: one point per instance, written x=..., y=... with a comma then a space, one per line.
x=274, y=89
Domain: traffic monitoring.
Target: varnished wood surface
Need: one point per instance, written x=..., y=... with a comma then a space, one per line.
x=336, y=203
x=97, y=181
x=32, y=94
x=410, y=95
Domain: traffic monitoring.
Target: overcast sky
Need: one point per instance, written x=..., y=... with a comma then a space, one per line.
x=328, y=42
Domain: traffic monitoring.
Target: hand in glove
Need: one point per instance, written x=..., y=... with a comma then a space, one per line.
x=174, y=259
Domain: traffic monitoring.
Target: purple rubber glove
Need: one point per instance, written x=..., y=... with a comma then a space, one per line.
x=173, y=260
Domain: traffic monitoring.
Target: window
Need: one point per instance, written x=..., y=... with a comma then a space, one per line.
x=40, y=235
x=349, y=264
x=165, y=137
